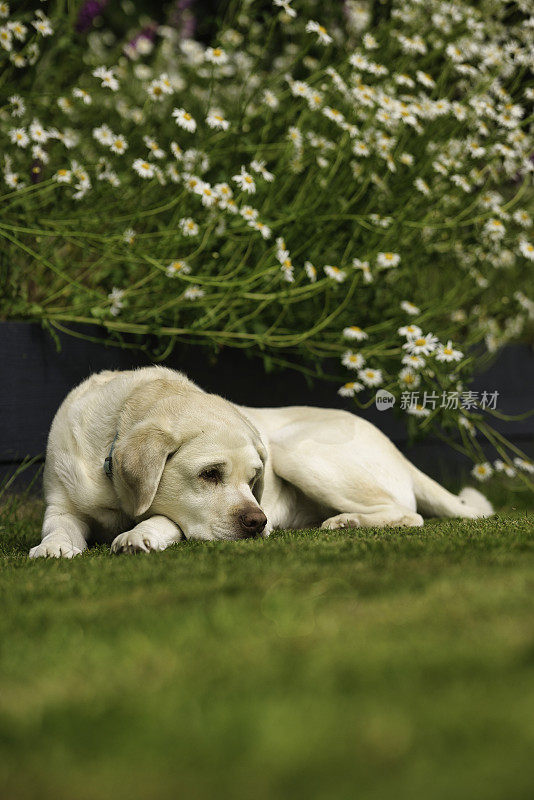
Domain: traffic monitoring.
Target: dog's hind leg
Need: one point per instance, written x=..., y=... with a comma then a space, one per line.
x=391, y=516
x=356, y=483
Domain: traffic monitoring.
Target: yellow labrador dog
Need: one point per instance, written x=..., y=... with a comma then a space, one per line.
x=145, y=458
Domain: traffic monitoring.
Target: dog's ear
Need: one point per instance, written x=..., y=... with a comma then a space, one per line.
x=138, y=461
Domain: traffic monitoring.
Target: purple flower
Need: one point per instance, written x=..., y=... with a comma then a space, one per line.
x=183, y=19
x=87, y=14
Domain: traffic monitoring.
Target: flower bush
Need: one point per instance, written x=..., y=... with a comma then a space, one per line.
x=341, y=189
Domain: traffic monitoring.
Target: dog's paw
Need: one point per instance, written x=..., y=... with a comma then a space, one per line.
x=135, y=541
x=341, y=521
x=55, y=547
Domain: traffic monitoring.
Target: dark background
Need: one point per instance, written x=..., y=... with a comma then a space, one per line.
x=35, y=378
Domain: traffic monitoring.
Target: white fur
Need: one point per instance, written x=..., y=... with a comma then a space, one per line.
x=307, y=466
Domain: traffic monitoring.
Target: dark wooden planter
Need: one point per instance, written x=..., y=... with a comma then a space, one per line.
x=35, y=377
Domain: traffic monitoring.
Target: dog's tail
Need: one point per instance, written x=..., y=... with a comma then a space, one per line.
x=435, y=501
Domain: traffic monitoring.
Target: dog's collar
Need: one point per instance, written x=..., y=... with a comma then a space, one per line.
x=108, y=461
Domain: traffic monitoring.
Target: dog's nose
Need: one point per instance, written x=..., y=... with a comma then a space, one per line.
x=252, y=523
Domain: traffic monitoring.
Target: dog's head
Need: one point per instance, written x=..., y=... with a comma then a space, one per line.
x=196, y=460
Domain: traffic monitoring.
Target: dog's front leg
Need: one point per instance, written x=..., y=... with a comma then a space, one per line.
x=155, y=533
x=63, y=535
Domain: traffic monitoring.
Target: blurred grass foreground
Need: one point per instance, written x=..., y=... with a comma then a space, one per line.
x=370, y=664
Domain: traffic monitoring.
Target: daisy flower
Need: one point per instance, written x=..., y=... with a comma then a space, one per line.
x=410, y=308
x=322, y=35
x=482, y=471
x=410, y=330
x=365, y=268
x=63, y=176
x=360, y=149
x=82, y=95
x=408, y=378
x=193, y=293
x=215, y=55
x=527, y=466
x=259, y=166
x=421, y=345
x=494, y=229
x=115, y=296
x=104, y=135
x=521, y=217
x=249, y=213
x=37, y=132
x=285, y=5
x=109, y=81
x=177, y=267
x=17, y=105
x=184, y=120
x=216, y=120
x=287, y=270
x=370, y=377
x=245, y=181
x=369, y=42
x=156, y=90
x=333, y=114
x=6, y=38
x=388, y=259
x=42, y=25
x=422, y=186
x=354, y=332
x=350, y=389
x=143, y=168
x=207, y=194
x=223, y=192
x=310, y=271
x=415, y=362
x=270, y=99
x=527, y=249
x=335, y=273
x=188, y=227
x=129, y=236
x=425, y=79
x=153, y=146
x=418, y=410
x=295, y=136
x=352, y=360
x=4, y=9
x=262, y=228
x=446, y=352
x=119, y=145
x=460, y=181
x=19, y=137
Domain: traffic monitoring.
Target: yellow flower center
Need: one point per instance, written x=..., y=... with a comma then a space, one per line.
x=420, y=342
x=187, y=116
x=217, y=52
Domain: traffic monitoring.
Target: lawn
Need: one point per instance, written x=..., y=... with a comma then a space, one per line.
x=355, y=664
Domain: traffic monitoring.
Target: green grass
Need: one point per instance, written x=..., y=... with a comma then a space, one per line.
x=370, y=664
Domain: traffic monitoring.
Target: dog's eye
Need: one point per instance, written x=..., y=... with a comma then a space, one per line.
x=211, y=475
